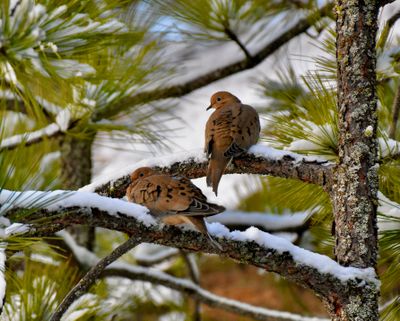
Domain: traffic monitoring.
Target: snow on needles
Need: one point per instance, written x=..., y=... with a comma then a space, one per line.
x=322, y=263
x=56, y=200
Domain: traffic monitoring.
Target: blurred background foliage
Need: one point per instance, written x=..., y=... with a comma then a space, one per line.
x=77, y=64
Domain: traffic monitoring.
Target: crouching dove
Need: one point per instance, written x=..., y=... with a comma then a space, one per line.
x=174, y=200
x=230, y=131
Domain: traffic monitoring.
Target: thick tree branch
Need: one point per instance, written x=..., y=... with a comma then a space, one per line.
x=325, y=277
x=182, y=89
x=91, y=276
x=120, y=269
x=260, y=160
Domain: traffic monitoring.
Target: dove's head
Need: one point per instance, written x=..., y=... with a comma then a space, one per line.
x=221, y=99
x=142, y=172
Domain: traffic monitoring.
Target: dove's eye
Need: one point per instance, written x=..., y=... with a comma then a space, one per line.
x=141, y=174
x=218, y=98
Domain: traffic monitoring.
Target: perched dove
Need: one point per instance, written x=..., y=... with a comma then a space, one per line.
x=231, y=129
x=175, y=200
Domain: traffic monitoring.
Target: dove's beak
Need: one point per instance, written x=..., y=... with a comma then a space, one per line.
x=209, y=107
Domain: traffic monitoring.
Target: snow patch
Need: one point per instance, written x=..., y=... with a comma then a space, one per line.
x=59, y=199
x=271, y=222
x=322, y=263
x=27, y=138
x=277, y=154
x=17, y=228
x=63, y=119
x=388, y=146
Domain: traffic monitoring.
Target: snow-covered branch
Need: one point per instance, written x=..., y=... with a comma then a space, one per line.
x=120, y=269
x=53, y=130
x=91, y=276
x=267, y=222
x=325, y=277
x=260, y=159
x=30, y=138
x=247, y=63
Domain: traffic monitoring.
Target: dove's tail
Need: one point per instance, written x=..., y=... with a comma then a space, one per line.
x=216, y=168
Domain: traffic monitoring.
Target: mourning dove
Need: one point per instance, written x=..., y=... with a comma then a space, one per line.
x=231, y=129
x=175, y=200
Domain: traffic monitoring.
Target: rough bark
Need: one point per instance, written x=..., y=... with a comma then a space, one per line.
x=309, y=171
x=76, y=171
x=189, y=288
x=354, y=193
x=329, y=287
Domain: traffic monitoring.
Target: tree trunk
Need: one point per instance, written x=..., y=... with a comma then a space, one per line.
x=76, y=171
x=354, y=193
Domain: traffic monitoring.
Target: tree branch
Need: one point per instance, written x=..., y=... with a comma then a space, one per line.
x=196, y=292
x=31, y=138
x=150, y=260
x=260, y=160
x=324, y=276
x=119, y=269
x=90, y=277
x=182, y=89
x=193, y=270
x=392, y=20
x=231, y=35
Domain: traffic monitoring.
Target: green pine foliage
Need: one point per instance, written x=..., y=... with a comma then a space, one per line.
x=81, y=61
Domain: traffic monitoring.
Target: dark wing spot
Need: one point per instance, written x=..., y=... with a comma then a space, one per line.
x=169, y=195
x=183, y=194
x=181, y=188
x=240, y=132
x=242, y=137
x=248, y=131
x=167, y=201
x=158, y=190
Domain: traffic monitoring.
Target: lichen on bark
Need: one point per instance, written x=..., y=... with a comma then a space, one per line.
x=354, y=193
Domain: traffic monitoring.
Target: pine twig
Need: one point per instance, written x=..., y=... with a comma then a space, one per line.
x=91, y=276
x=194, y=276
x=395, y=114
